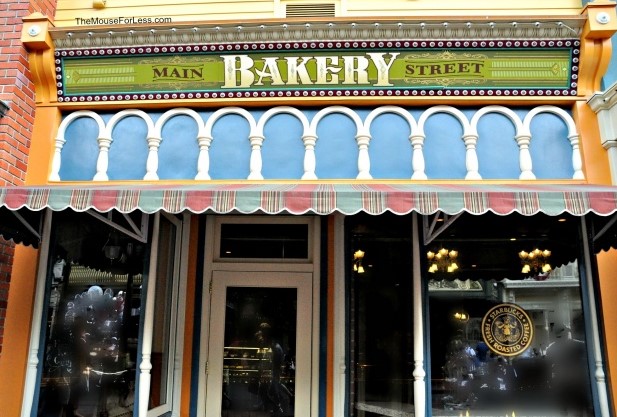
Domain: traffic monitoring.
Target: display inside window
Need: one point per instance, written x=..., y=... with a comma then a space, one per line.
x=259, y=377
x=380, y=312
x=90, y=338
x=507, y=326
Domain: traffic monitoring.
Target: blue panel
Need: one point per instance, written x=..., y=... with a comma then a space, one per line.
x=610, y=77
x=390, y=149
x=80, y=151
x=283, y=150
x=179, y=151
x=444, y=150
x=498, y=152
x=230, y=151
x=336, y=151
x=129, y=150
x=551, y=152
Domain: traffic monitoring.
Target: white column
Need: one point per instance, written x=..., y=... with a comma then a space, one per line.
x=577, y=162
x=56, y=161
x=102, y=162
x=152, y=163
x=611, y=148
x=419, y=374
x=37, y=318
x=145, y=365
x=525, y=157
x=339, y=359
x=417, y=157
x=364, y=161
x=599, y=373
x=309, y=157
x=203, y=160
x=255, y=163
x=471, y=157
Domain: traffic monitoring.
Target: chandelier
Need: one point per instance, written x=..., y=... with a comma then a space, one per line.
x=444, y=260
x=357, y=261
x=461, y=316
x=535, y=260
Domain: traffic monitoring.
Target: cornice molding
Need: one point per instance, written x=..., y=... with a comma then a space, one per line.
x=116, y=36
x=604, y=100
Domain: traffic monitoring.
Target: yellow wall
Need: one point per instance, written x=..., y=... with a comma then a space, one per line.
x=189, y=11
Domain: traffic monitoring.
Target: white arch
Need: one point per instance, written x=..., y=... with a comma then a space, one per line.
x=105, y=143
x=56, y=161
x=335, y=109
x=444, y=109
x=158, y=126
x=550, y=109
x=76, y=115
x=413, y=126
x=522, y=139
x=470, y=138
x=278, y=110
x=363, y=138
x=363, y=158
x=255, y=141
x=109, y=128
x=257, y=137
x=230, y=110
x=505, y=111
x=573, y=137
x=155, y=137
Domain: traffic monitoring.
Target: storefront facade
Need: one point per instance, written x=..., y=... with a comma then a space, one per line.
x=311, y=212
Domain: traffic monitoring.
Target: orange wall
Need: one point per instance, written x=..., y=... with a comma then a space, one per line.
x=17, y=331
x=607, y=265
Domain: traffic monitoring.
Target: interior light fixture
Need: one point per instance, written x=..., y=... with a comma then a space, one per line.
x=444, y=260
x=357, y=261
x=535, y=261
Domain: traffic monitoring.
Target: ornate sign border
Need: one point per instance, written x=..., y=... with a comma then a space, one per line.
x=437, y=51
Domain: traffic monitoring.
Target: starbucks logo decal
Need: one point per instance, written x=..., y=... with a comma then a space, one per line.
x=507, y=329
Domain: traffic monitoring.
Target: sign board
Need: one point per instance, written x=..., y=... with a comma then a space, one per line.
x=462, y=68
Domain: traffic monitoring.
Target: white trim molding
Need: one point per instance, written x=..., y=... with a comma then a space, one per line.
x=605, y=105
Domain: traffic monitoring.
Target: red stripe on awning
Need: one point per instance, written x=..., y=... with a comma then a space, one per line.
x=326, y=198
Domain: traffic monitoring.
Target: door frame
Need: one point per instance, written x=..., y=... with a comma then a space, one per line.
x=213, y=263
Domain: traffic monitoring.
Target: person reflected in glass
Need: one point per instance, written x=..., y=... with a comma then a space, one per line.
x=570, y=374
x=272, y=391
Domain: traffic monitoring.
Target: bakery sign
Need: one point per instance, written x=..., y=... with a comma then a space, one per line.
x=507, y=330
x=484, y=68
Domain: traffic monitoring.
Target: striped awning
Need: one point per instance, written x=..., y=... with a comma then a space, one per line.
x=349, y=198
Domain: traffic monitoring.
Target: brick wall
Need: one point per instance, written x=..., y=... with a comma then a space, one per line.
x=16, y=90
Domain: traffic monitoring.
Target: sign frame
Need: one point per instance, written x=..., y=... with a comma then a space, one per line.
x=346, y=69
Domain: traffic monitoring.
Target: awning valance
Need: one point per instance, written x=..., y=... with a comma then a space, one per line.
x=324, y=198
x=349, y=198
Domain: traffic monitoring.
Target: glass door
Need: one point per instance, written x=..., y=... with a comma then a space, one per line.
x=259, y=350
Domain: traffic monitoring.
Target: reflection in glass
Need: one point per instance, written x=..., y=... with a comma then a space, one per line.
x=259, y=353
x=162, y=357
x=549, y=376
x=381, y=320
x=94, y=300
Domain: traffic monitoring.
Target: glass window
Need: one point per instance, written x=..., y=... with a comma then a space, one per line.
x=260, y=352
x=380, y=311
x=264, y=241
x=506, y=323
x=164, y=312
x=92, y=322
